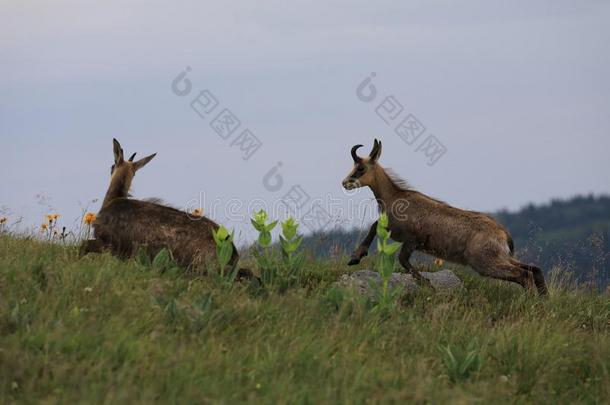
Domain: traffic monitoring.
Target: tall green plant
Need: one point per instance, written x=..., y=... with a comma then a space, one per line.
x=290, y=242
x=386, y=259
x=224, y=253
x=259, y=222
x=274, y=272
x=262, y=255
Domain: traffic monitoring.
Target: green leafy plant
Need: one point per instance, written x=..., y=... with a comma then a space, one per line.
x=143, y=258
x=259, y=221
x=274, y=272
x=163, y=261
x=262, y=255
x=191, y=315
x=386, y=296
x=290, y=242
x=461, y=361
x=224, y=253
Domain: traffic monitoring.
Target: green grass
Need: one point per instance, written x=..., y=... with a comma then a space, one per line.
x=99, y=330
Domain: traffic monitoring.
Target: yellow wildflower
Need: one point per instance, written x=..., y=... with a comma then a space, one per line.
x=44, y=227
x=89, y=218
x=52, y=217
x=197, y=212
x=3, y=220
x=439, y=262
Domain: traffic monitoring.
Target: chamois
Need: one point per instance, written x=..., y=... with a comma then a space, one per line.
x=431, y=226
x=124, y=225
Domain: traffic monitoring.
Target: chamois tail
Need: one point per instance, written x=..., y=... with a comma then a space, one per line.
x=511, y=244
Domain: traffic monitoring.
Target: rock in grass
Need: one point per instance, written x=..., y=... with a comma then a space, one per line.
x=443, y=280
x=364, y=281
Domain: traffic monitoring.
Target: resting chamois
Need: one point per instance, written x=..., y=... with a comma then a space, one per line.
x=425, y=224
x=123, y=225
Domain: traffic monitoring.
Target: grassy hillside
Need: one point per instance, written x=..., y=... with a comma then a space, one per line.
x=96, y=329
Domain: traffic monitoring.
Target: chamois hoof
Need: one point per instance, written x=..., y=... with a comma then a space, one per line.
x=244, y=274
x=353, y=261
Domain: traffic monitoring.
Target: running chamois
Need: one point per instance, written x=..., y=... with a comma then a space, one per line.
x=125, y=225
x=431, y=226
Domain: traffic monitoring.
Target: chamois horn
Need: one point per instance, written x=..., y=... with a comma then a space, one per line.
x=357, y=159
x=132, y=157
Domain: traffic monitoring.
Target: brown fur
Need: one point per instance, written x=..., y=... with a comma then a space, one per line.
x=124, y=225
x=425, y=224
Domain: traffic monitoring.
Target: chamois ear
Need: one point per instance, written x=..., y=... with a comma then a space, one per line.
x=376, y=151
x=142, y=162
x=118, y=152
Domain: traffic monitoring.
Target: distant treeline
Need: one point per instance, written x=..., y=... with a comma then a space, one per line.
x=573, y=234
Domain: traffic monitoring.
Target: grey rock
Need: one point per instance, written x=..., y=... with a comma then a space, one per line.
x=443, y=280
x=364, y=281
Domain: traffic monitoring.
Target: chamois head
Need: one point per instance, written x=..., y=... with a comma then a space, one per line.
x=363, y=172
x=128, y=167
x=122, y=172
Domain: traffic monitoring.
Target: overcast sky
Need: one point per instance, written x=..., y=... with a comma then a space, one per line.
x=518, y=93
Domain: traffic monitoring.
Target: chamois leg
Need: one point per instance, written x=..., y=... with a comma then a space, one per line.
x=503, y=269
x=403, y=259
x=242, y=273
x=537, y=274
x=363, y=249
